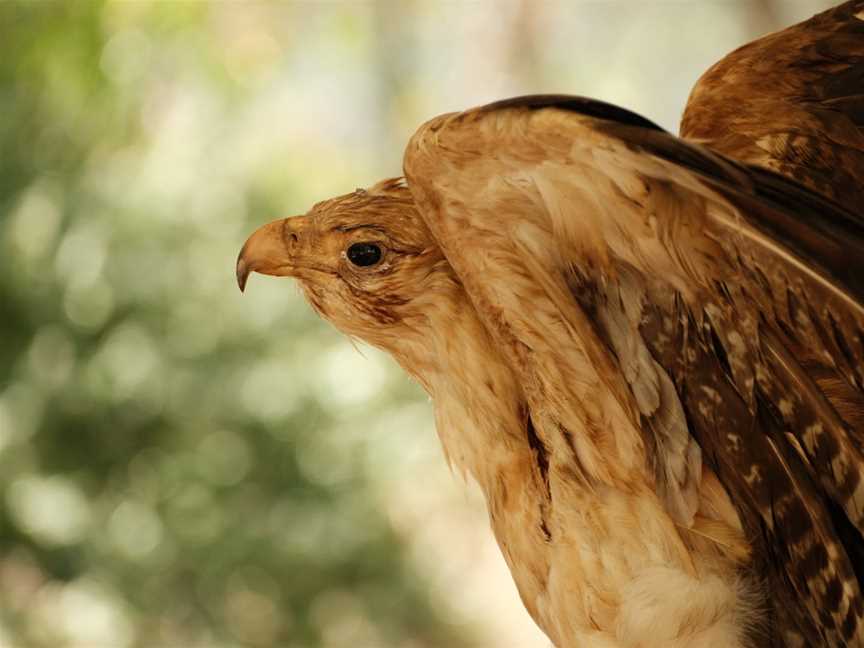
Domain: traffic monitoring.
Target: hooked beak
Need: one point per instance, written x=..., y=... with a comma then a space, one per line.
x=269, y=250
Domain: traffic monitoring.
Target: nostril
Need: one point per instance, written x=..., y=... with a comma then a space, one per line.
x=289, y=235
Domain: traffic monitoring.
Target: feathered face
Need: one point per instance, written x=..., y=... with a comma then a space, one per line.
x=365, y=260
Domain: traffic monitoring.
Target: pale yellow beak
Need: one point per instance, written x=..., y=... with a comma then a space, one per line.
x=270, y=249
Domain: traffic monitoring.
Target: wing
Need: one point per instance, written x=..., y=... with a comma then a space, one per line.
x=793, y=102
x=659, y=293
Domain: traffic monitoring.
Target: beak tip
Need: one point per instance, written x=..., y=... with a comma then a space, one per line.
x=242, y=274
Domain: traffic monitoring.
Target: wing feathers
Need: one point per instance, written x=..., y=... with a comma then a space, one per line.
x=807, y=124
x=711, y=301
x=677, y=458
x=581, y=105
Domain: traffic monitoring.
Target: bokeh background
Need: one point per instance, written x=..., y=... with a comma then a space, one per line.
x=183, y=466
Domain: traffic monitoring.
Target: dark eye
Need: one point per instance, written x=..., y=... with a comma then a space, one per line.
x=364, y=254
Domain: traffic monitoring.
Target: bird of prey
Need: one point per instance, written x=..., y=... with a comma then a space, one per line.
x=647, y=350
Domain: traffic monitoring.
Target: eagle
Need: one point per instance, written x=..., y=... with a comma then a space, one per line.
x=647, y=350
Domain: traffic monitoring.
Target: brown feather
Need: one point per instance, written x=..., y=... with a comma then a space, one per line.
x=792, y=102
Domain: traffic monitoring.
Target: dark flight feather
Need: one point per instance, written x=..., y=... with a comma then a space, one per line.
x=793, y=102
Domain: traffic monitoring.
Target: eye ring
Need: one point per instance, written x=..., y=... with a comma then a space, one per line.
x=364, y=254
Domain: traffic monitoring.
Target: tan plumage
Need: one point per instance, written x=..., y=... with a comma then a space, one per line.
x=649, y=356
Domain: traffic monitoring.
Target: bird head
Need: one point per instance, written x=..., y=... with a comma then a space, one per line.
x=365, y=261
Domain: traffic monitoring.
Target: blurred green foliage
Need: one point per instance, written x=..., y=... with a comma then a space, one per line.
x=173, y=472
